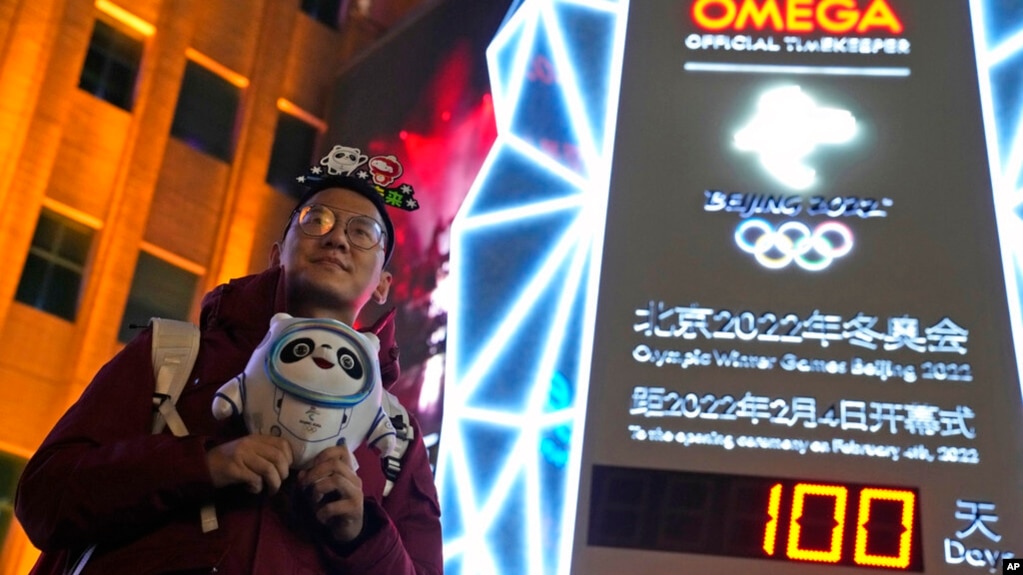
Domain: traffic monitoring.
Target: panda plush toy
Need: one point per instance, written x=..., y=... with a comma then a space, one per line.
x=316, y=383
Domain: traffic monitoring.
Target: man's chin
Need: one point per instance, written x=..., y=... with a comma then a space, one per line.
x=316, y=294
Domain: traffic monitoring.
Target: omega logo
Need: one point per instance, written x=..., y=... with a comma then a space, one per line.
x=797, y=16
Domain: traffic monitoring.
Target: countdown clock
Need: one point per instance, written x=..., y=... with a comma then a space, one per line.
x=804, y=356
x=756, y=517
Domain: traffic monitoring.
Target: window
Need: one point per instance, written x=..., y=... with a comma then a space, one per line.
x=10, y=469
x=111, y=65
x=294, y=143
x=324, y=11
x=52, y=277
x=159, y=289
x=206, y=112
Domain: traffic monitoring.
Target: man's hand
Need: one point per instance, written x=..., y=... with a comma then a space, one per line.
x=335, y=492
x=257, y=461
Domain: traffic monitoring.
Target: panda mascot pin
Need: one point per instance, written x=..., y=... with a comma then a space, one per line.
x=316, y=383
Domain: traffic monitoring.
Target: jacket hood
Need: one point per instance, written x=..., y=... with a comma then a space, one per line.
x=245, y=306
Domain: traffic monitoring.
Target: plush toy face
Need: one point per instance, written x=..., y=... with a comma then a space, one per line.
x=321, y=363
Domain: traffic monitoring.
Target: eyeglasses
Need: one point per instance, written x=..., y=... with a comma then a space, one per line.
x=362, y=231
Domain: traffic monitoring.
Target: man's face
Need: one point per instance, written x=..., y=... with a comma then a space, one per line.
x=327, y=276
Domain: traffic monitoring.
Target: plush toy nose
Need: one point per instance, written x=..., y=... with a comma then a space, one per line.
x=323, y=358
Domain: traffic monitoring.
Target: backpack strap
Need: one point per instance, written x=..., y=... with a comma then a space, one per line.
x=175, y=347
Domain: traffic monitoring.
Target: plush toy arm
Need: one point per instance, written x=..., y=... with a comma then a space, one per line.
x=381, y=436
x=228, y=399
x=391, y=437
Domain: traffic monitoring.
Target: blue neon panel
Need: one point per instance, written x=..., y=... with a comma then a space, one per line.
x=513, y=182
x=1002, y=20
x=1007, y=92
x=514, y=362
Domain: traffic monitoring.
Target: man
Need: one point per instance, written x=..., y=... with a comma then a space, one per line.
x=101, y=478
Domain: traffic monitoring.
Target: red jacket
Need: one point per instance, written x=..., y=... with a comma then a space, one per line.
x=101, y=477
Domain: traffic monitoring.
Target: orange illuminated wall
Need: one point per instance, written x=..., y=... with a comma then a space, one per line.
x=121, y=174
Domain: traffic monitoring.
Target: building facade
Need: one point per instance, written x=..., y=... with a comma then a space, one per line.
x=143, y=150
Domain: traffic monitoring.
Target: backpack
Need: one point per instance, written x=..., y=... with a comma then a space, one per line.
x=175, y=347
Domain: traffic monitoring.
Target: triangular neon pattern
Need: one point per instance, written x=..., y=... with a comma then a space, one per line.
x=525, y=258
x=998, y=39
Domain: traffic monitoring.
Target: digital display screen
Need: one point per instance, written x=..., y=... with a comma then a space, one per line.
x=828, y=523
x=802, y=301
x=736, y=291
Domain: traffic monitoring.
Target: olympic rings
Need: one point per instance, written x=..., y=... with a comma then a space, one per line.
x=794, y=242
